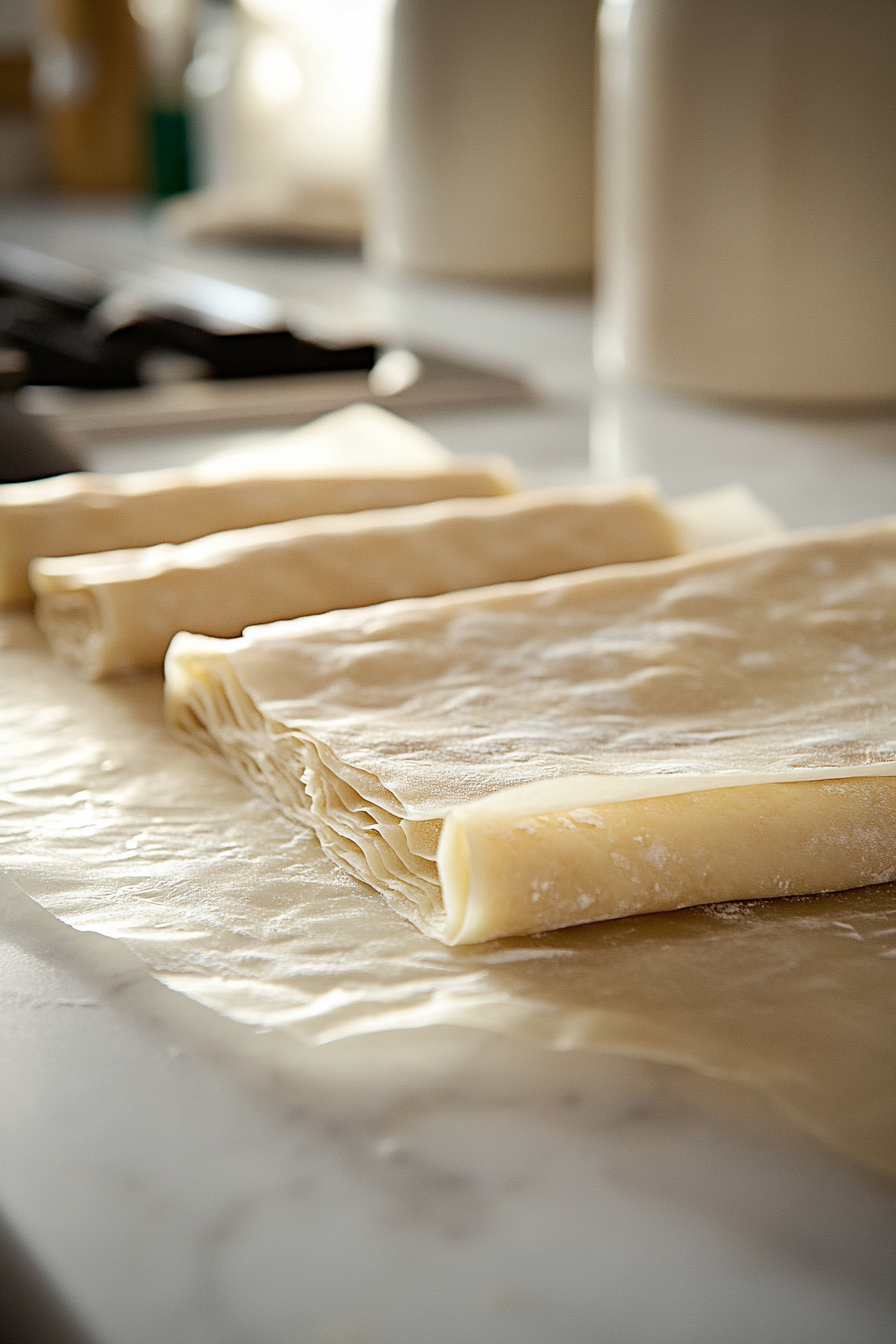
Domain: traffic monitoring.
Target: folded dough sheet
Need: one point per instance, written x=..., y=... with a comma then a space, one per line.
x=117, y=828
x=660, y=735
x=358, y=458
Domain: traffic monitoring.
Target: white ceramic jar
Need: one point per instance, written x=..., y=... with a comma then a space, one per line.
x=488, y=160
x=750, y=196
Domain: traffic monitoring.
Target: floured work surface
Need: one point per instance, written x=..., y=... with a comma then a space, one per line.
x=116, y=827
x=664, y=734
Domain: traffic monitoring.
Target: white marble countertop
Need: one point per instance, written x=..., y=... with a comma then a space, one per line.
x=175, y=1177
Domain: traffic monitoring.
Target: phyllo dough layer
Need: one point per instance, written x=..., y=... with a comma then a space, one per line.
x=742, y=671
x=109, y=823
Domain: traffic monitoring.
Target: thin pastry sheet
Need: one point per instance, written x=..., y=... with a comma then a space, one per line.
x=116, y=827
x=761, y=666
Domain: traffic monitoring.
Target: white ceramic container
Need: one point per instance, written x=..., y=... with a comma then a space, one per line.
x=488, y=160
x=750, y=194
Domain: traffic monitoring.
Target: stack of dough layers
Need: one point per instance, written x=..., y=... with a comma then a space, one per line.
x=582, y=747
x=115, y=827
x=358, y=458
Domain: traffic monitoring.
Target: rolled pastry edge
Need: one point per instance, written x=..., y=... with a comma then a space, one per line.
x=590, y=848
x=73, y=626
x=100, y=629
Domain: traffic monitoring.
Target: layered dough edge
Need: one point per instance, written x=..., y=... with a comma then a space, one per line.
x=555, y=853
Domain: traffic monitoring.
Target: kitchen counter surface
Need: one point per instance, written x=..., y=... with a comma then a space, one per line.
x=171, y=1176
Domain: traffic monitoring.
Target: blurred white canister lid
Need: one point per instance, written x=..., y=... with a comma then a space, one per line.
x=750, y=196
x=489, y=145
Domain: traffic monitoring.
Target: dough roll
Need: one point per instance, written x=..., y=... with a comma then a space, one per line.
x=709, y=727
x=527, y=872
x=120, y=610
x=358, y=458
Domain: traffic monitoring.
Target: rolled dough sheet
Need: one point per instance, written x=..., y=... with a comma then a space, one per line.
x=680, y=726
x=358, y=458
x=117, y=828
x=119, y=610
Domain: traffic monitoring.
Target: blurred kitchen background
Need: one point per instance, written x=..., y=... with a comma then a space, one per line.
x=647, y=236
